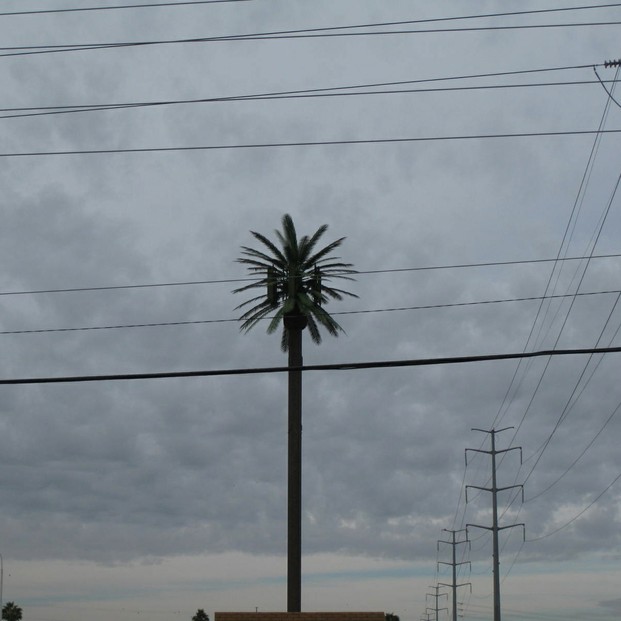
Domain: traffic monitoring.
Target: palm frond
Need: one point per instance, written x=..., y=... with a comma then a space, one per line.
x=296, y=274
x=308, y=244
x=250, y=301
x=272, y=247
x=284, y=340
x=314, y=330
x=320, y=254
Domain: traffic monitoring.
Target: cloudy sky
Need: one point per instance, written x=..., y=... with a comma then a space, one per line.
x=473, y=170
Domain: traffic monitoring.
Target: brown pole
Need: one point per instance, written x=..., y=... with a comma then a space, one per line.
x=294, y=325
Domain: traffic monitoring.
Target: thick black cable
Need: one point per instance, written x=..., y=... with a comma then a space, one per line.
x=348, y=366
x=312, y=143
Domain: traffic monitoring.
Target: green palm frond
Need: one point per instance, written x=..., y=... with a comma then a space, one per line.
x=297, y=274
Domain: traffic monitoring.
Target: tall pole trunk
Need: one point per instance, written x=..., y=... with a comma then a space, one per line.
x=294, y=527
x=495, y=552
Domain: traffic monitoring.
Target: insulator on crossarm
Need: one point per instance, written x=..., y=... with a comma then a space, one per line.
x=612, y=63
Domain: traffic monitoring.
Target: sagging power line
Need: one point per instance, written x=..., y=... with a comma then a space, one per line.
x=347, y=366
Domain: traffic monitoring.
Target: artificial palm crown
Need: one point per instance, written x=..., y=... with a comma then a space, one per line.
x=294, y=280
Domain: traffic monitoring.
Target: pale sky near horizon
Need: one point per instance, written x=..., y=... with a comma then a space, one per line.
x=468, y=152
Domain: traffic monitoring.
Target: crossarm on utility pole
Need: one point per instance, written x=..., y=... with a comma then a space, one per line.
x=497, y=489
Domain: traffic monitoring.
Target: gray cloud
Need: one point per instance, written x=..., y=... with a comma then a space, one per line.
x=121, y=472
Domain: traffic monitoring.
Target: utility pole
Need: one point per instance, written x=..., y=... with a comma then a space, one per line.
x=454, y=564
x=436, y=596
x=294, y=324
x=494, y=489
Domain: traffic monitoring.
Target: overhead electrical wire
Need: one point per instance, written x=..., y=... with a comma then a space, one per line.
x=19, y=113
x=564, y=242
x=506, y=400
x=576, y=208
x=335, y=91
x=28, y=50
x=120, y=6
x=190, y=2
x=602, y=82
x=562, y=415
x=578, y=457
x=570, y=403
x=578, y=515
x=593, y=246
x=354, y=312
x=577, y=205
x=423, y=268
x=346, y=366
x=311, y=143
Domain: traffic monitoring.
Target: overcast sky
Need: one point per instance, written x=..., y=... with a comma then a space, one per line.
x=473, y=144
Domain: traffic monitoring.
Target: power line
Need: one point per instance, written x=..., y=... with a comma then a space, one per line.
x=125, y=6
x=354, y=312
x=349, y=366
x=577, y=202
x=313, y=143
x=181, y=3
x=562, y=416
x=361, y=272
x=487, y=264
x=27, y=112
x=569, y=404
x=26, y=50
x=575, y=209
x=579, y=457
x=602, y=82
x=327, y=91
x=556, y=530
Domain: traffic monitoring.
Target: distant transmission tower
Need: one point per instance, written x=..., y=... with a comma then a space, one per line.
x=436, y=596
x=494, y=489
x=454, y=564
